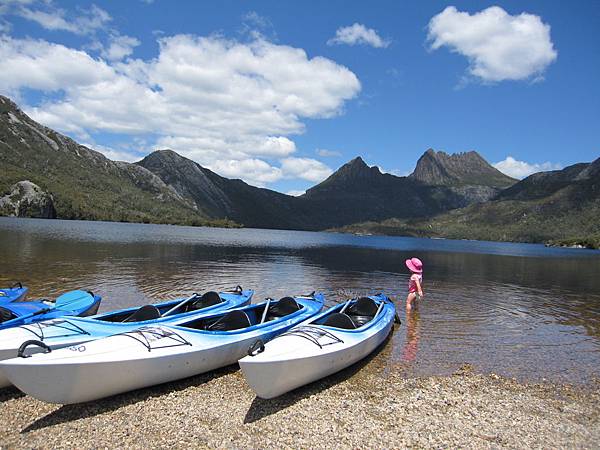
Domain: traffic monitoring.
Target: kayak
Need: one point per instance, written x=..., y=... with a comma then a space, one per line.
x=13, y=294
x=74, y=303
x=154, y=354
x=321, y=346
x=66, y=331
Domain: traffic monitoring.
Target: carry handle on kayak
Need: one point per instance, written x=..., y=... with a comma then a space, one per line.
x=24, y=345
x=238, y=290
x=264, y=314
x=18, y=283
x=180, y=304
x=256, y=348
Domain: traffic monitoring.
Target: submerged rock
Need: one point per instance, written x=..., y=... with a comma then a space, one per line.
x=27, y=199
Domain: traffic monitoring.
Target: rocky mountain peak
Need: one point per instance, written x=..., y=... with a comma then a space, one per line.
x=438, y=168
x=356, y=169
x=350, y=176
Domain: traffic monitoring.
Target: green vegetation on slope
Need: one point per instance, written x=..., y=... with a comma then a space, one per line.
x=509, y=221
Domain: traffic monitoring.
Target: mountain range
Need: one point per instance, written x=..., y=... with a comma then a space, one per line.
x=560, y=207
x=166, y=187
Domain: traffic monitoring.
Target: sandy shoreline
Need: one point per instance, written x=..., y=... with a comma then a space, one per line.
x=355, y=408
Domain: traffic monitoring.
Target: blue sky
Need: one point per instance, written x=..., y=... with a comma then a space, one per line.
x=281, y=94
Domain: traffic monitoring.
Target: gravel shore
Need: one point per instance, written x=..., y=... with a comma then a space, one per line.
x=357, y=408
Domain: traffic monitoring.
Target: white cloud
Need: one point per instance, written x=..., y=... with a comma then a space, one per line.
x=214, y=100
x=254, y=171
x=327, y=153
x=498, y=46
x=119, y=47
x=52, y=18
x=305, y=168
x=520, y=169
x=396, y=172
x=295, y=193
x=48, y=67
x=114, y=154
x=358, y=34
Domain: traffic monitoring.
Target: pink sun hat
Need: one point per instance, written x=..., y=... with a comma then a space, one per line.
x=415, y=265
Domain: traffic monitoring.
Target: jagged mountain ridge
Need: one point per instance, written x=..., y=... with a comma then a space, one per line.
x=560, y=205
x=167, y=187
x=358, y=192
x=459, y=169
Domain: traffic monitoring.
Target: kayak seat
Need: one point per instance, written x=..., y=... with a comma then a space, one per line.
x=146, y=312
x=340, y=320
x=359, y=321
x=364, y=306
x=284, y=307
x=233, y=320
x=207, y=299
x=362, y=311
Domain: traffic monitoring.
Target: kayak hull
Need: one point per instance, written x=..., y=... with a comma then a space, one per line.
x=140, y=358
x=292, y=360
x=72, y=331
x=86, y=380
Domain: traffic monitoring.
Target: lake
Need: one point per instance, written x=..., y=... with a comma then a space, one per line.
x=519, y=310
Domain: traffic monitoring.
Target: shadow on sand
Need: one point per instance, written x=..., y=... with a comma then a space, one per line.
x=67, y=413
x=10, y=393
x=262, y=408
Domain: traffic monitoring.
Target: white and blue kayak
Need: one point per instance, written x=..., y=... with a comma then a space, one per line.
x=16, y=293
x=154, y=354
x=321, y=346
x=63, y=332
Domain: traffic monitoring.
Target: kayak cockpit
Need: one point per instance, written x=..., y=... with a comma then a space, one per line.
x=351, y=315
x=152, y=312
x=254, y=315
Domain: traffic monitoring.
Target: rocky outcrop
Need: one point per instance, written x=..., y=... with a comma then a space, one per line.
x=467, y=175
x=459, y=169
x=27, y=199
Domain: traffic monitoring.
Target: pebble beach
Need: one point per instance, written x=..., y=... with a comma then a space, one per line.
x=360, y=407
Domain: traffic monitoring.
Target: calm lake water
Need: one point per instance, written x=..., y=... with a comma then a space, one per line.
x=519, y=310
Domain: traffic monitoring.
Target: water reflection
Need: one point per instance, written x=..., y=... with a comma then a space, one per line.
x=411, y=346
x=525, y=316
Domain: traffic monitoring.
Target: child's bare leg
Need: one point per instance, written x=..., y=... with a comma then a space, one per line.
x=409, y=299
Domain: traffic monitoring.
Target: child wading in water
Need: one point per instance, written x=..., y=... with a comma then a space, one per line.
x=415, y=283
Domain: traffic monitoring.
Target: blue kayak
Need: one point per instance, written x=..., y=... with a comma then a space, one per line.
x=74, y=303
x=68, y=331
x=13, y=294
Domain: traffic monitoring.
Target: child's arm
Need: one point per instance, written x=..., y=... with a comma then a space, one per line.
x=419, y=289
